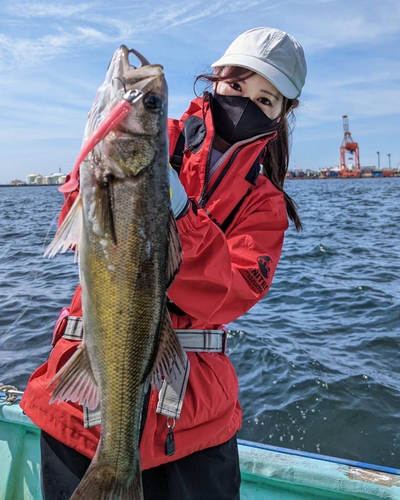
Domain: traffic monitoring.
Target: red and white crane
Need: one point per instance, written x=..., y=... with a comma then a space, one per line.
x=350, y=147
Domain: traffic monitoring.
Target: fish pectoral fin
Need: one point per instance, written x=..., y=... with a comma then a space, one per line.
x=171, y=358
x=69, y=233
x=174, y=251
x=75, y=381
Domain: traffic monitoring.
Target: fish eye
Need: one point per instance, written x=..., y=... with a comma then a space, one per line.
x=153, y=102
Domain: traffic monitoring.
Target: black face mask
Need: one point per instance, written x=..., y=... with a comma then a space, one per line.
x=238, y=118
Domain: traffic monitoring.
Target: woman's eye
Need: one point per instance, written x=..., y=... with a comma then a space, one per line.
x=265, y=101
x=236, y=86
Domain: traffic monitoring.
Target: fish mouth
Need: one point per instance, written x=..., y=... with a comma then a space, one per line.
x=132, y=77
x=126, y=52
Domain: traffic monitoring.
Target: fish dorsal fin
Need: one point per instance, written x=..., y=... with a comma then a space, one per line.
x=174, y=251
x=69, y=233
x=171, y=358
x=75, y=381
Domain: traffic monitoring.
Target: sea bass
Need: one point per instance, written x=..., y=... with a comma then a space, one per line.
x=129, y=252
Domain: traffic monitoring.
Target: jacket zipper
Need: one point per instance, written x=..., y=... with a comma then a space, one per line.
x=202, y=200
x=206, y=196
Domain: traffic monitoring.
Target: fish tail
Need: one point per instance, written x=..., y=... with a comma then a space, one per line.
x=101, y=483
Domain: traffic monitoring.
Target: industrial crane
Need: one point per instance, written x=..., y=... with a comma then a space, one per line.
x=349, y=146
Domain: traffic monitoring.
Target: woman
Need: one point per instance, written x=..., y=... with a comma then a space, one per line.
x=231, y=220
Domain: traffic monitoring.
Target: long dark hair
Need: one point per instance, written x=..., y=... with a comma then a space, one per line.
x=275, y=161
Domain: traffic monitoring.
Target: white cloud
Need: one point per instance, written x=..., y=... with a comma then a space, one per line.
x=348, y=26
x=28, y=52
x=364, y=93
x=41, y=10
x=92, y=34
x=175, y=16
x=74, y=27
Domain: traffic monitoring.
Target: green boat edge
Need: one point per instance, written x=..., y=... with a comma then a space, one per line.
x=267, y=472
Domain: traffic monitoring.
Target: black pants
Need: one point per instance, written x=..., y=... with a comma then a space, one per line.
x=211, y=474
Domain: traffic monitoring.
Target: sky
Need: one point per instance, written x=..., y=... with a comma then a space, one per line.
x=54, y=55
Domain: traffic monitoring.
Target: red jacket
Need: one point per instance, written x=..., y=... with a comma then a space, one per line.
x=232, y=237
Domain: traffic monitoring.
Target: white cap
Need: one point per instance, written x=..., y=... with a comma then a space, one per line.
x=271, y=53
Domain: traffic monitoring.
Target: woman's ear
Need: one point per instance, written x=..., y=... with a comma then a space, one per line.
x=291, y=105
x=288, y=103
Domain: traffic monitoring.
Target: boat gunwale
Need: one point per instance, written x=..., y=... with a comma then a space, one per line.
x=316, y=456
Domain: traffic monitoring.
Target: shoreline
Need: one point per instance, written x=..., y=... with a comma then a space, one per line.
x=340, y=178
x=287, y=179
x=28, y=185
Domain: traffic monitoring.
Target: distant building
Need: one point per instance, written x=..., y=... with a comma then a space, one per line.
x=329, y=171
x=31, y=178
x=366, y=171
x=53, y=179
x=56, y=178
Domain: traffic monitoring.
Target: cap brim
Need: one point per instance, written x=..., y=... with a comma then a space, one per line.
x=273, y=75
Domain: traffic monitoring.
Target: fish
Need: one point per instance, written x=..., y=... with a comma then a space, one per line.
x=125, y=235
